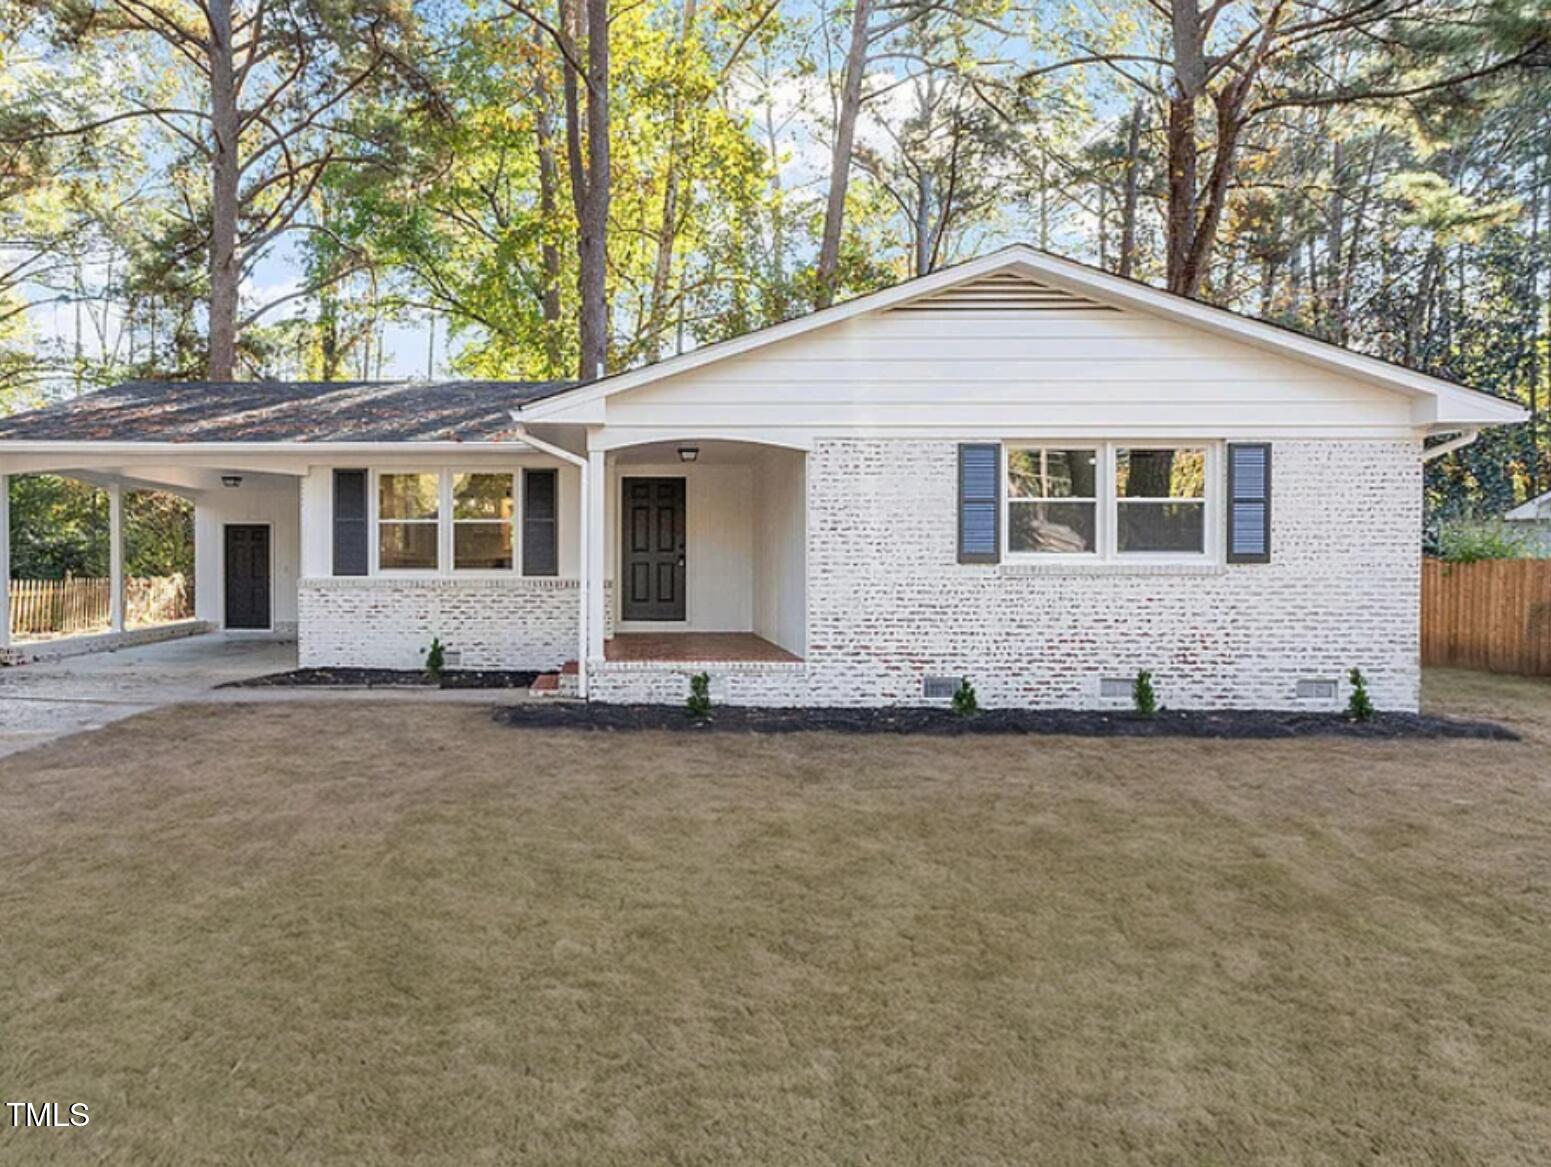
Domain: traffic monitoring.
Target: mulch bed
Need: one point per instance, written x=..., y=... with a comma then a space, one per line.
x=1226, y=724
x=390, y=678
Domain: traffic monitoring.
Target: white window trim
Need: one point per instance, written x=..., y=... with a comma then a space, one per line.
x=1107, y=520
x=444, y=525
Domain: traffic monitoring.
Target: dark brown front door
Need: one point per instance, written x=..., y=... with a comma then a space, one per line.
x=247, y=576
x=652, y=559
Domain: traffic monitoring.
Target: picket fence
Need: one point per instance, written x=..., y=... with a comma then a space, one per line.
x=46, y=608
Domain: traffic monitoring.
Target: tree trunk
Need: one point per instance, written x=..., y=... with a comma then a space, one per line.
x=224, y=173
x=922, y=228
x=667, y=235
x=549, y=197
x=1182, y=153
x=840, y=155
x=1129, y=198
x=1335, y=239
x=1203, y=226
x=590, y=181
x=1267, y=286
x=329, y=352
x=1183, y=150
x=777, y=216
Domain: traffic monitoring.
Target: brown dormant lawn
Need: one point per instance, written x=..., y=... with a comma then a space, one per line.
x=352, y=933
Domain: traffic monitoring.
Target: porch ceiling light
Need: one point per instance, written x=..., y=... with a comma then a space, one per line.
x=688, y=453
x=232, y=480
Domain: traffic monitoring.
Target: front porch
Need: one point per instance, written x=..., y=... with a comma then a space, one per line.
x=701, y=548
x=703, y=552
x=681, y=647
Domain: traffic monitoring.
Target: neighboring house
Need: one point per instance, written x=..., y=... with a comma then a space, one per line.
x=1531, y=522
x=1019, y=470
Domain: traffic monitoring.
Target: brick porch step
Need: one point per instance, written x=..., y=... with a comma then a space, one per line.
x=565, y=683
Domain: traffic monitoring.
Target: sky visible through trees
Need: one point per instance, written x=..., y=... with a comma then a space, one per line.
x=539, y=188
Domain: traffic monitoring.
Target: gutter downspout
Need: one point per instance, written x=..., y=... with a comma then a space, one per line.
x=586, y=584
x=1457, y=443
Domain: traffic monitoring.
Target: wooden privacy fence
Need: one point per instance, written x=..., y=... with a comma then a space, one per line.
x=1493, y=615
x=70, y=607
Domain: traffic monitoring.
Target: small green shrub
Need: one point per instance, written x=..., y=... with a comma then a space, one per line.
x=1471, y=542
x=1143, y=699
x=1359, y=706
x=436, y=659
x=965, y=703
x=699, y=702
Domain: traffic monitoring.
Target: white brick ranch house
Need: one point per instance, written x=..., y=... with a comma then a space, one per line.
x=1019, y=470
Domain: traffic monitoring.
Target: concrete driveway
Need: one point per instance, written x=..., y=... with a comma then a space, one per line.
x=40, y=702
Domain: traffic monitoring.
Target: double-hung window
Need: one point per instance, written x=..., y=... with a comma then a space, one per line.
x=446, y=520
x=1109, y=500
x=1160, y=500
x=408, y=521
x=482, y=512
x=1052, y=500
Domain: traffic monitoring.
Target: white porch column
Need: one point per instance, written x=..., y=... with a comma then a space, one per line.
x=593, y=560
x=5, y=561
x=116, y=557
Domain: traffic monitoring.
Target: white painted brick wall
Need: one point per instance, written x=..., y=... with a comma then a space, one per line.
x=888, y=603
x=388, y=623
x=757, y=683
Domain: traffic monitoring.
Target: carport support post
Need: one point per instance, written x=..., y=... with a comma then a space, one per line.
x=593, y=554
x=116, y=557
x=5, y=561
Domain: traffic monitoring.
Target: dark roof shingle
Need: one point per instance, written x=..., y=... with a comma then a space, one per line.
x=283, y=411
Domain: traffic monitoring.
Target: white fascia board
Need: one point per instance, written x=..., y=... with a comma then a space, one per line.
x=1465, y=407
x=1531, y=510
x=563, y=410
x=158, y=449
x=286, y=458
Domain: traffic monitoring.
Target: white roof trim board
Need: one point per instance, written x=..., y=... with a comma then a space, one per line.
x=1531, y=510
x=1440, y=404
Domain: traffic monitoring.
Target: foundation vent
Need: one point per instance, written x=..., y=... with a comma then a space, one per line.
x=1318, y=690
x=1003, y=292
x=939, y=688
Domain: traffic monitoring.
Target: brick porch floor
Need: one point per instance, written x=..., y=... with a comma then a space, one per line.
x=691, y=646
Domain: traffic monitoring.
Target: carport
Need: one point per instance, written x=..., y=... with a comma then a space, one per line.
x=242, y=452
x=247, y=541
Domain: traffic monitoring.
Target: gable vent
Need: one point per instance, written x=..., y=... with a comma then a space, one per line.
x=1003, y=292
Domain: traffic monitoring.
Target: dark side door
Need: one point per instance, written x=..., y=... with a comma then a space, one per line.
x=247, y=576
x=652, y=559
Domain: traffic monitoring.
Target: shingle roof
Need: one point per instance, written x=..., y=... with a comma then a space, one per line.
x=282, y=411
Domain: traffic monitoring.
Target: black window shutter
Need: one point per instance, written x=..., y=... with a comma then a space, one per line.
x=540, y=526
x=350, y=519
x=980, y=503
x=1249, y=502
